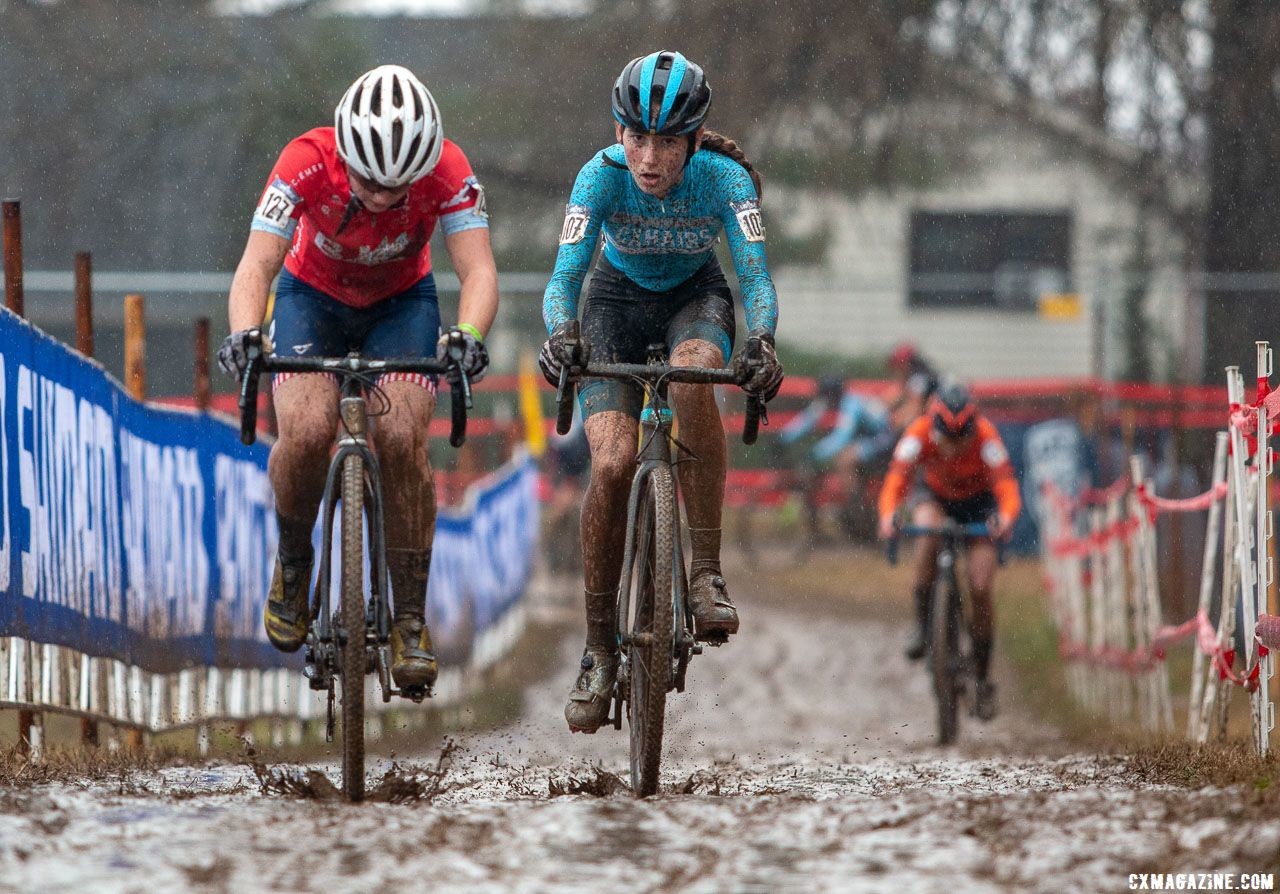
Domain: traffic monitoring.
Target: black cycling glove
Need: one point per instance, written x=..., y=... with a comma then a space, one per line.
x=767, y=378
x=233, y=356
x=552, y=357
x=475, y=356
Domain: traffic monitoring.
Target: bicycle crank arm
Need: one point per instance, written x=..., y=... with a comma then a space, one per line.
x=384, y=672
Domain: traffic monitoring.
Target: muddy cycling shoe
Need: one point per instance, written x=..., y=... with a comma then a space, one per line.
x=592, y=695
x=287, y=614
x=916, y=646
x=413, y=660
x=714, y=616
x=984, y=700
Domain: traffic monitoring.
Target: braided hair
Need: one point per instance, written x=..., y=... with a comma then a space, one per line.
x=717, y=142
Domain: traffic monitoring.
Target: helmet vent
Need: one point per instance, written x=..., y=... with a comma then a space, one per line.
x=388, y=127
x=397, y=138
x=413, y=145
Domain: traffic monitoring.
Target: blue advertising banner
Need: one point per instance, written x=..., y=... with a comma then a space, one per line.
x=148, y=535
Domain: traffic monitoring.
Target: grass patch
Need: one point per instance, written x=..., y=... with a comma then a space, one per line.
x=842, y=581
x=1028, y=640
x=1220, y=765
x=19, y=770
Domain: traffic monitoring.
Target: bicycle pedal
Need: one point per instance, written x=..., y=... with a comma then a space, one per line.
x=415, y=693
x=315, y=680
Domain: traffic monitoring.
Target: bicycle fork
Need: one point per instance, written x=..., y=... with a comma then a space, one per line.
x=324, y=638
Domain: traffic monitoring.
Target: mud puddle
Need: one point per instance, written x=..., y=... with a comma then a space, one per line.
x=800, y=759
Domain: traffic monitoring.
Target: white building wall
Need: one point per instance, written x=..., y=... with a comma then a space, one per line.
x=857, y=304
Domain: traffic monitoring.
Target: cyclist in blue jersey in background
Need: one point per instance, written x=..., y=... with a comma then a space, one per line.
x=661, y=196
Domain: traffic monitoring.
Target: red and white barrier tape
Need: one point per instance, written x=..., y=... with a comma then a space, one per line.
x=1068, y=546
x=1144, y=658
x=1198, y=503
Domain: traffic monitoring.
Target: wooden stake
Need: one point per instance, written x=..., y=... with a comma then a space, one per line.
x=135, y=347
x=84, y=303
x=201, y=392
x=13, y=298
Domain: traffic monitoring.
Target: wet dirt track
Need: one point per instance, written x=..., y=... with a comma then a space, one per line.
x=800, y=760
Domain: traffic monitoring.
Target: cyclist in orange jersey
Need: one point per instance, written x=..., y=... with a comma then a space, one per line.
x=964, y=474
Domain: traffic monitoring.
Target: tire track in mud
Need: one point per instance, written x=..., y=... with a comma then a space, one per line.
x=801, y=758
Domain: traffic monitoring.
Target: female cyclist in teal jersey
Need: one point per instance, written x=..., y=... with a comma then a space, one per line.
x=661, y=196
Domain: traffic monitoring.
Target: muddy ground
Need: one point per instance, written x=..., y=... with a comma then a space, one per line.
x=801, y=759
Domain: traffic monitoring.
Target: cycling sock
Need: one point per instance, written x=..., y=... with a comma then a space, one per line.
x=408, y=569
x=981, y=657
x=921, y=595
x=295, y=540
x=602, y=624
x=706, y=551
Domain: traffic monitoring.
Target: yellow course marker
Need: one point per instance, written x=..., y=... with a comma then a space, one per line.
x=531, y=406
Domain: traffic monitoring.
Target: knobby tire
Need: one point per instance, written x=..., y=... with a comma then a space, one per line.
x=353, y=623
x=945, y=657
x=651, y=662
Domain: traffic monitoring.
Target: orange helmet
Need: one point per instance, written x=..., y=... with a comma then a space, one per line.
x=953, y=411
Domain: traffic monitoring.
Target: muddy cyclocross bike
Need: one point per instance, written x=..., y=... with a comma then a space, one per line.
x=655, y=624
x=343, y=646
x=948, y=637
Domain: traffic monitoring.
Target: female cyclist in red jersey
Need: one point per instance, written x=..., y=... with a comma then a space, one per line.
x=965, y=475
x=348, y=211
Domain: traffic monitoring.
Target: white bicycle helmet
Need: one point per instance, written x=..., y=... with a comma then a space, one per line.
x=388, y=127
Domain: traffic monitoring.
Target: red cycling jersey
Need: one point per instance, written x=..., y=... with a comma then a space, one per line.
x=351, y=254
x=979, y=465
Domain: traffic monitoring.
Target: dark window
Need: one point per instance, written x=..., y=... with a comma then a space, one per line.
x=1001, y=259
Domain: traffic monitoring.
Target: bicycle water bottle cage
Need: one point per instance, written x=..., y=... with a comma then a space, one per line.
x=649, y=417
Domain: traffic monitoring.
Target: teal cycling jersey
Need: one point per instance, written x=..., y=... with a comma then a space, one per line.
x=660, y=243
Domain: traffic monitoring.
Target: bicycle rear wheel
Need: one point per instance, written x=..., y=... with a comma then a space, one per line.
x=945, y=657
x=353, y=623
x=651, y=644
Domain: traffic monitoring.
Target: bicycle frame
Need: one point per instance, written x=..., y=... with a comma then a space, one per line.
x=655, y=451
x=322, y=647
x=353, y=412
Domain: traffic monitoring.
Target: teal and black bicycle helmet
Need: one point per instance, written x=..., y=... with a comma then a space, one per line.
x=662, y=93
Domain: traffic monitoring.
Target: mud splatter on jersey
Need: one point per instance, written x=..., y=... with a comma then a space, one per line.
x=660, y=243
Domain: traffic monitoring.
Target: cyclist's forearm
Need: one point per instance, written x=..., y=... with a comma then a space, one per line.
x=1008, y=499
x=472, y=258
x=893, y=490
x=251, y=286
x=560, y=301
x=478, y=301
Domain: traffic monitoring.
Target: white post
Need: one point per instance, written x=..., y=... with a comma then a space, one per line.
x=1117, y=609
x=1147, y=620
x=1263, y=716
x=1099, y=623
x=1218, y=698
x=1212, y=527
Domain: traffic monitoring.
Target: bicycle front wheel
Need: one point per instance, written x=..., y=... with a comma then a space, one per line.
x=352, y=624
x=944, y=656
x=651, y=643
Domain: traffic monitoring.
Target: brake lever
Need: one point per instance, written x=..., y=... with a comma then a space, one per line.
x=457, y=352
